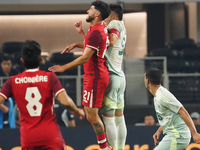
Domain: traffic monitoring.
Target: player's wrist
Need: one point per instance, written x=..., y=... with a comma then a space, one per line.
x=80, y=31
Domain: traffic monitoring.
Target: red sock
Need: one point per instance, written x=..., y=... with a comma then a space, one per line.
x=102, y=141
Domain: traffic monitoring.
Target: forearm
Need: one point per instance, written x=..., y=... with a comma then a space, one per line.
x=4, y=108
x=79, y=45
x=80, y=60
x=187, y=119
x=66, y=101
x=72, y=106
x=160, y=130
x=82, y=33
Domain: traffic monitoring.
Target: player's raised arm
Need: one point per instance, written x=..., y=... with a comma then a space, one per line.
x=66, y=101
x=79, y=28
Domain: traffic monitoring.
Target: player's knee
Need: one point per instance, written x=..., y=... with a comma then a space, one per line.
x=92, y=119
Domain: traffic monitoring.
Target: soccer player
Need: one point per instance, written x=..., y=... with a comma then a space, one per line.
x=96, y=74
x=174, y=120
x=33, y=91
x=113, y=104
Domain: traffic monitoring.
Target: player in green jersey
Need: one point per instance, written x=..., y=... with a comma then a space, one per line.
x=174, y=120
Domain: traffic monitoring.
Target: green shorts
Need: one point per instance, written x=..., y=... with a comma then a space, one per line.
x=173, y=143
x=114, y=94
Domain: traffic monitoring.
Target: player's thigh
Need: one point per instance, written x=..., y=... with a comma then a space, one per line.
x=114, y=95
x=93, y=92
x=172, y=143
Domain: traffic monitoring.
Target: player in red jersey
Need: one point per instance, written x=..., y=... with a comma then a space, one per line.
x=96, y=75
x=33, y=91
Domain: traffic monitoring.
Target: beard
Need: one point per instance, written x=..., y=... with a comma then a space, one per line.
x=89, y=19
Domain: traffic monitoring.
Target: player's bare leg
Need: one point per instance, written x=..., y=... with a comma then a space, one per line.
x=98, y=126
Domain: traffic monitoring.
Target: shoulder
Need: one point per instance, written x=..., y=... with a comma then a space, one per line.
x=114, y=24
x=95, y=35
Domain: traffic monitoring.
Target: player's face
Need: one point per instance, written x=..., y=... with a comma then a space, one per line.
x=6, y=66
x=91, y=14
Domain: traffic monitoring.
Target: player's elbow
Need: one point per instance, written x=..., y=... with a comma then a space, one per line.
x=85, y=59
x=6, y=110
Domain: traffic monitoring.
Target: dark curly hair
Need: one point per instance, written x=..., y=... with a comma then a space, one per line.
x=103, y=8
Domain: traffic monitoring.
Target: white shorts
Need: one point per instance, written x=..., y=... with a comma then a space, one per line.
x=114, y=94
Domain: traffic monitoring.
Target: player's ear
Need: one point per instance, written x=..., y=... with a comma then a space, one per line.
x=22, y=60
x=114, y=17
x=98, y=14
x=147, y=81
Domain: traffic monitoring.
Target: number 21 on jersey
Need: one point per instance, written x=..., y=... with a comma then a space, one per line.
x=87, y=96
x=33, y=97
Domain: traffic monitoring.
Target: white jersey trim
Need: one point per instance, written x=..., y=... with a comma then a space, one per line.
x=32, y=70
x=61, y=90
x=4, y=96
x=92, y=47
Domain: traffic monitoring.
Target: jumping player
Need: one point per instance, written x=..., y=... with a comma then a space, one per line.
x=96, y=75
x=113, y=104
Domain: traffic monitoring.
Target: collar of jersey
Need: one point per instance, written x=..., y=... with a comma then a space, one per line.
x=32, y=70
x=101, y=23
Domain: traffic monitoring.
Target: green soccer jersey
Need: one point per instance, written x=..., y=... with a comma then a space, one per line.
x=114, y=54
x=167, y=107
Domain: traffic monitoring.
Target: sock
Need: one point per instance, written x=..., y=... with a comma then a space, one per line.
x=121, y=131
x=111, y=131
x=102, y=141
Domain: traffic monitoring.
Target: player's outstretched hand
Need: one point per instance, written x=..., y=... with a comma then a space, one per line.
x=81, y=114
x=56, y=68
x=196, y=138
x=69, y=48
x=79, y=26
x=156, y=137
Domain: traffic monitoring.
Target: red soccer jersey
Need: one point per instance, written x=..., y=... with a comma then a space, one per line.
x=96, y=39
x=33, y=92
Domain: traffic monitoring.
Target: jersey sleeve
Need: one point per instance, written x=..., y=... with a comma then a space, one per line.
x=113, y=28
x=55, y=84
x=6, y=90
x=94, y=40
x=173, y=104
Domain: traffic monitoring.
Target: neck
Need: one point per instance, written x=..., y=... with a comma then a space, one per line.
x=33, y=68
x=94, y=22
x=153, y=89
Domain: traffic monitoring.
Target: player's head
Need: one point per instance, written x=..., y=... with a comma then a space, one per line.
x=31, y=54
x=117, y=9
x=98, y=9
x=116, y=13
x=154, y=76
